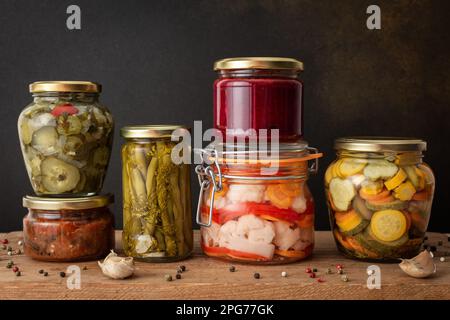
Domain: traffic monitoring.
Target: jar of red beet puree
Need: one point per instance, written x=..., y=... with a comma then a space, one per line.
x=257, y=93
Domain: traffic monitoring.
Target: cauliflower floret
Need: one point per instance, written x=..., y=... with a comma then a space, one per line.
x=210, y=235
x=299, y=204
x=242, y=193
x=306, y=239
x=248, y=234
x=285, y=236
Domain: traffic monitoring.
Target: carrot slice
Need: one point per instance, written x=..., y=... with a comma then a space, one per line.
x=383, y=194
x=291, y=253
x=306, y=222
x=420, y=196
x=245, y=256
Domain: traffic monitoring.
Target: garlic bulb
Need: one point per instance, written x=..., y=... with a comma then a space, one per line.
x=117, y=267
x=421, y=266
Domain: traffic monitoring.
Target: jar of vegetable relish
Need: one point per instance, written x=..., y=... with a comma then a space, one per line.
x=66, y=138
x=251, y=215
x=379, y=197
x=157, y=216
x=71, y=229
x=255, y=95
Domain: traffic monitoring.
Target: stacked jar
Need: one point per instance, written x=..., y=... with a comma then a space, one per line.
x=66, y=139
x=255, y=205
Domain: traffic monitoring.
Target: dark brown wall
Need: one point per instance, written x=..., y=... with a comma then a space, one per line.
x=155, y=59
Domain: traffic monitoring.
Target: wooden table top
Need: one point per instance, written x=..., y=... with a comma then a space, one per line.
x=208, y=278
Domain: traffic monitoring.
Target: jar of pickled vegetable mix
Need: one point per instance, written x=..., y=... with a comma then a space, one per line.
x=157, y=218
x=255, y=95
x=66, y=137
x=71, y=229
x=256, y=208
x=379, y=195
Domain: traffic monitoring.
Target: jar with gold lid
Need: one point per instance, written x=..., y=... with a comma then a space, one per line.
x=66, y=138
x=70, y=229
x=255, y=95
x=157, y=218
x=379, y=194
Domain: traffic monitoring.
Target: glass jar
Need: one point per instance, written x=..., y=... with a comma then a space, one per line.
x=379, y=197
x=258, y=93
x=157, y=216
x=72, y=229
x=66, y=138
x=248, y=215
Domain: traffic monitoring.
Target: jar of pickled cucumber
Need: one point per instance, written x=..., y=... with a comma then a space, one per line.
x=379, y=194
x=66, y=137
x=157, y=218
x=255, y=207
x=69, y=229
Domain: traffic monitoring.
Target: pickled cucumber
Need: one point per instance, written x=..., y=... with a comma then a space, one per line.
x=59, y=176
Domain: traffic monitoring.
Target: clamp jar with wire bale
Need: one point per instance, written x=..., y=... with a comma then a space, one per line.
x=255, y=207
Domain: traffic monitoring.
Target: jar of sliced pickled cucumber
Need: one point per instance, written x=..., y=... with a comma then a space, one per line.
x=66, y=137
x=157, y=218
x=379, y=194
x=255, y=206
x=70, y=229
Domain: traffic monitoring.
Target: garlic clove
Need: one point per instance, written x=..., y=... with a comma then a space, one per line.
x=117, y=267
x=421, y=266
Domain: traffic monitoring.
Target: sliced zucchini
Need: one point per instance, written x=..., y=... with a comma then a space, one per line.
x=350, y=223
x=405, y=191
x=380, y=169
x=342, y=193
x=393, y=205
x=396, y=180
x=360, y=206
x=388, y=225
x=349, y=167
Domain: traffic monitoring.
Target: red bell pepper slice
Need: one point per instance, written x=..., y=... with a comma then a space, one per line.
x=66, y=108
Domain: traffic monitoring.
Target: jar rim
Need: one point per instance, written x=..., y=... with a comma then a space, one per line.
x=380, y=144
x=149, y=131
x=262, y=63
x=80, y=203
x=65, y=86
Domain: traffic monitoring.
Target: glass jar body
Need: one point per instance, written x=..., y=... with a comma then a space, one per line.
x=259, y=221
x=66, y=141
x=379, y=203
x=156, y=202
x=68, y=235
x=246, y=101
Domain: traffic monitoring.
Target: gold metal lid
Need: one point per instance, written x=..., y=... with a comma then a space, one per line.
x=81, y=203
x=268, y=63
x=149, y=131
x=380, y=144
x=65, y=86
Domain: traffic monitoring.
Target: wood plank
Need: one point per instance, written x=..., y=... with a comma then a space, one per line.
x=208, y=278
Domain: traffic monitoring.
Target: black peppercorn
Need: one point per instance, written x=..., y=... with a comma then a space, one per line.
x=232, y=269
x=183, y=268
x=62, y=274
x=45, y=274
x=41, y=271
x=178, y=276
x=257, y=275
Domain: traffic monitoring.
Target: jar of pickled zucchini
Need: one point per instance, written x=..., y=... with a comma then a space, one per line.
x=70, y=229
x=256, y=208
x=254, y=95
x=66, y=137
x=157, y=218
x=379, y=195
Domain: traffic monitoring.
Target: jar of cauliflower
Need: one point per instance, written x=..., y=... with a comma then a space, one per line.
x=379, y=196
x=255, y=206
